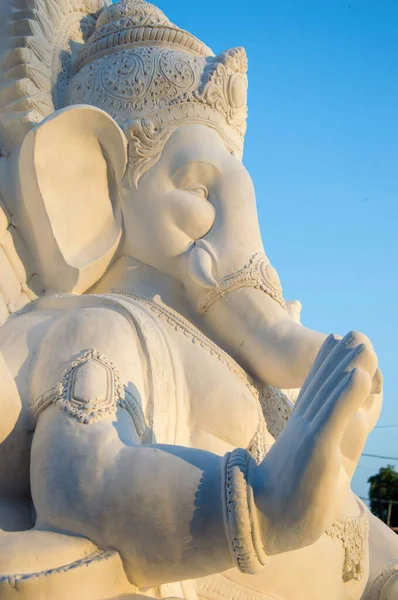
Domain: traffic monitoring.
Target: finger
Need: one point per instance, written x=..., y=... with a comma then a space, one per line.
x=371, y=409
x=348, y=396
x=326, y=361
x=344, y=357
x=377, y=383
x=323, y=353
x=359, y=357
x=353, y=441
x=339, y=352
x=320, y=358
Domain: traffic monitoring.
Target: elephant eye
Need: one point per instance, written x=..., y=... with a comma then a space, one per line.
x=198, y=190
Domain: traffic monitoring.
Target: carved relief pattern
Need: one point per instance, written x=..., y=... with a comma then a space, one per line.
x=261, y=442
x=45, y=54
x=144, y=147
x=18, y=282
x=226, y=87
x=242, y=532
x=276, y=408
x=94, y=557
x=138, y=22
x=130, y=404
x=144, y=79
x=168, y=87
x=257, y=273
x=149, y=76
x=132, y=13
x=353, y=534
x=74, y=32
x=219, y=587
x=89, y=410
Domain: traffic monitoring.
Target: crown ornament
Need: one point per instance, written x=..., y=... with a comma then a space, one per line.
x=141, y=68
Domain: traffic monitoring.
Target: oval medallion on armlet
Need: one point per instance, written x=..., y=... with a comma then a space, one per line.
x=90, y=387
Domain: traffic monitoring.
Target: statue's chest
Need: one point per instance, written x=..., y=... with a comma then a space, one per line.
x=224, y=410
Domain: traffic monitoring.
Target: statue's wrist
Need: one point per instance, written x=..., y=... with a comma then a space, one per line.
x=240, y=513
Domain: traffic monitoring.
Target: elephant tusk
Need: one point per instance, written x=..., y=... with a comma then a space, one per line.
x=200, y=267
x=257, y=273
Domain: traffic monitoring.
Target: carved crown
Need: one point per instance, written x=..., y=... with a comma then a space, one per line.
x=137, y=22
x=138, y=65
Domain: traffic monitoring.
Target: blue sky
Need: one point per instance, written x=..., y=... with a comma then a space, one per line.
x=322, y=149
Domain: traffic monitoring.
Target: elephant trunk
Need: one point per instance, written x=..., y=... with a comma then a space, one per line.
x=237, y=293
x=256, y=329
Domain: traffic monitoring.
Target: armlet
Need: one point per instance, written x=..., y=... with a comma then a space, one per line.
x=91, y=388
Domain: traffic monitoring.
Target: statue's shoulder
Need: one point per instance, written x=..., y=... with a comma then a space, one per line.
x=109, y=308
x=71, y=310
x=125, y=335
x=75, y=325
x=56, y=329
x=89, y=317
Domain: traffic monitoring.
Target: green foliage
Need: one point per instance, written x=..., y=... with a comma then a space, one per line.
x=384, y=488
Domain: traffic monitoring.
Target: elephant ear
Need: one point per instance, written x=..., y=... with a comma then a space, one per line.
x=70, y=169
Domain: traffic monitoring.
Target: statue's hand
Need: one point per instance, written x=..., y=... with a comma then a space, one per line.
x=301, y=485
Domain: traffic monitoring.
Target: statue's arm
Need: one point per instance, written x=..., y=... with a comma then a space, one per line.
x=160, y=506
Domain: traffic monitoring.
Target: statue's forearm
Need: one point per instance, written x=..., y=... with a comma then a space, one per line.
x=160, y=506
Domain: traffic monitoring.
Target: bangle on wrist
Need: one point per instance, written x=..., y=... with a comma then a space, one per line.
x=243, y=532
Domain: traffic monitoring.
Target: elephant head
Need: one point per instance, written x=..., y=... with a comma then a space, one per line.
x=191, y=213
x=193, y=216
x=186, y=202
x=146, y=162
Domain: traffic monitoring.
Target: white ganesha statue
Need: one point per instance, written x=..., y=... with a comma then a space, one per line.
x=149, y=444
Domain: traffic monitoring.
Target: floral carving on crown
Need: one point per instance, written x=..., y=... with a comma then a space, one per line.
x=169, y=82
x=144, y=80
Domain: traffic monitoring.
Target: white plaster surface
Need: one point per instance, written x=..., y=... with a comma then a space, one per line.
x=168, y=427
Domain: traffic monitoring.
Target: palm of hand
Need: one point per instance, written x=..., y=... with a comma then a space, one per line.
x=303, y=481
